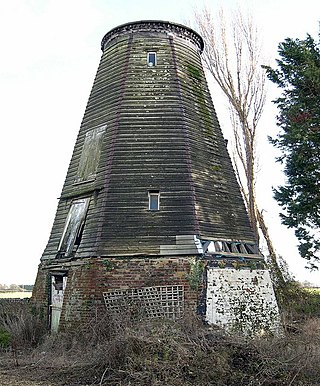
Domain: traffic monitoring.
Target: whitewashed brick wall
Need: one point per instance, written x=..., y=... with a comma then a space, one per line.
x=241, y=300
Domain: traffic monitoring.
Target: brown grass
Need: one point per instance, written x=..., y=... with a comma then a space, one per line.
x=114, y=352
x=166, y=353
x=24, y=325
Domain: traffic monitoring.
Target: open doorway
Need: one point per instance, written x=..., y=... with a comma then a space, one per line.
x=58, y=286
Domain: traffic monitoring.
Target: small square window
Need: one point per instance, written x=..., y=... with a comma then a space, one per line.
x=154, y=200
x=151, y=59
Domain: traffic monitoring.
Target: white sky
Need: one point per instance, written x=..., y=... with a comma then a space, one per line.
x=50, y=51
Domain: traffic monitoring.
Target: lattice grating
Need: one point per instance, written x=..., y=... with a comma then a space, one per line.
x=150, y=302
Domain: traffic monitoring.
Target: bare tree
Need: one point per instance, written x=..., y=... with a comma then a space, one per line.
x=232, y=56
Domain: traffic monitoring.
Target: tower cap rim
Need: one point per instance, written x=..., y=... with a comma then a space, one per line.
x=166, y=25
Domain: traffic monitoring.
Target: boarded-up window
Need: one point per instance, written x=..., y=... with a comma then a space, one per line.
x=90, y=155
x=72, y=233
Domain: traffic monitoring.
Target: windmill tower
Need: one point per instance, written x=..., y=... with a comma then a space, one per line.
x=149, y=188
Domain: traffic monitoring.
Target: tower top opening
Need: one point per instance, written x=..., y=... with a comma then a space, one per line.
x=167, y=27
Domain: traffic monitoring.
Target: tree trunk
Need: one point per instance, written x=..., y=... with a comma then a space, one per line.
x=232, y=56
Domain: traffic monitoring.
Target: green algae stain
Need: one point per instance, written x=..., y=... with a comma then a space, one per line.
x=194, y=72
x=196, y=76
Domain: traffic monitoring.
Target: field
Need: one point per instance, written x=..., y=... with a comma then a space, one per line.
x=15, y=295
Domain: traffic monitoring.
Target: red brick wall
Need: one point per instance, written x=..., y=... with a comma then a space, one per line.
x=40, y=292
x=89, y=278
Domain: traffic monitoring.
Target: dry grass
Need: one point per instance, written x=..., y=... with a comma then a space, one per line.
x=24, y=326
x=161, y=352
x=166, y=353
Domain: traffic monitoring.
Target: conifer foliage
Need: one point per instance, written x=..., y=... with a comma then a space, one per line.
x=298, y=75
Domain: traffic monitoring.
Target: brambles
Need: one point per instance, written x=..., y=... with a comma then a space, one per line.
x=123, y=350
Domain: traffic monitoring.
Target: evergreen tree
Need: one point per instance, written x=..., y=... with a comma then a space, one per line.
x=298, y=75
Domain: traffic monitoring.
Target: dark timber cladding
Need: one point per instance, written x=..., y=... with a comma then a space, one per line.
x=150, y=166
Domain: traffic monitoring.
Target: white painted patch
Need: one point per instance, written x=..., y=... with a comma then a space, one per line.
x=241, y=300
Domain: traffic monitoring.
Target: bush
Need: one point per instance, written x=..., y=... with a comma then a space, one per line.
x=5, y=338
x=25, y=328
x=298, y=304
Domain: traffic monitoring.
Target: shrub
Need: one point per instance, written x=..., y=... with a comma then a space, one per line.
x=25, y=328
x=5, y=338
x=298, y=304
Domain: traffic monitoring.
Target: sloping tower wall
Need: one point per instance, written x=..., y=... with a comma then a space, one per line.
x=158, y=132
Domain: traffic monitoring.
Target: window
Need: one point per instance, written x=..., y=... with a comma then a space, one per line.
x=154, y=199
x=90, y=154
x=151, y=59
x=73, y=229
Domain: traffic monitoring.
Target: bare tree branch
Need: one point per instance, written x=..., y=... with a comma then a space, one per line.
x=232, y=56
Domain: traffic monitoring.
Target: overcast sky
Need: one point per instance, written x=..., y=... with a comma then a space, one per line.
x=50, y=51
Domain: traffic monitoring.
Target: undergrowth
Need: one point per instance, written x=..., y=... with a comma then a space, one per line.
x=298, y=304
x=20, y=326
x=110, y=351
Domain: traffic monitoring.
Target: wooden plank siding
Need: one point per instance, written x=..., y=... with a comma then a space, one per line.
x=162, y=133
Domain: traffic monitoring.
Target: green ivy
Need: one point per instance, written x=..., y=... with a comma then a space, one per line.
x=194, y=72
x=108, y=265
x=195, y=274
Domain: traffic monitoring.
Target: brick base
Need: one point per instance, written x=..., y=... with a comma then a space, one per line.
x=89, y=278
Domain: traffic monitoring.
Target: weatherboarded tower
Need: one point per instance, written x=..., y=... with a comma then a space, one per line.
x=150, y=215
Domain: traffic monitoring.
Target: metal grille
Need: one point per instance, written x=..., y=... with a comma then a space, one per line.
x=148, y=302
